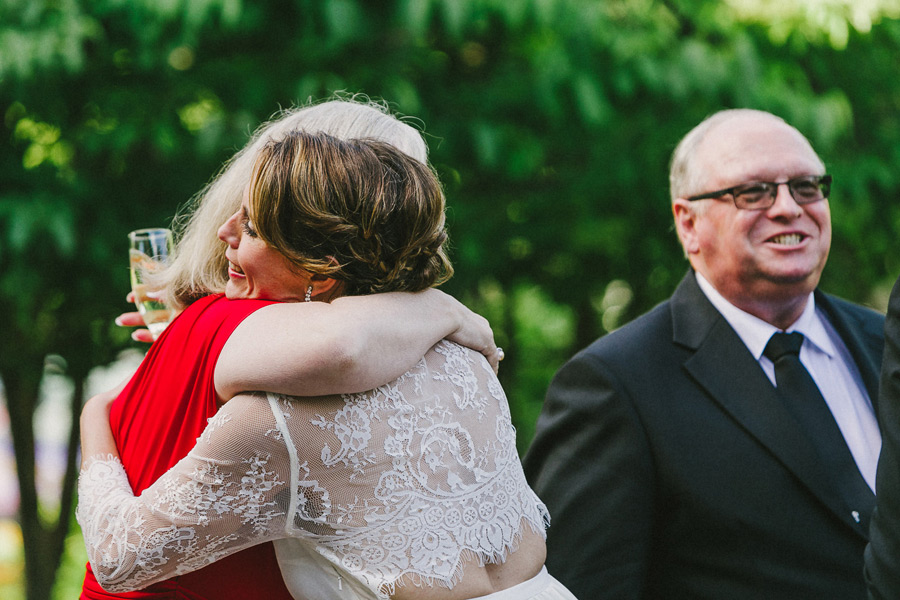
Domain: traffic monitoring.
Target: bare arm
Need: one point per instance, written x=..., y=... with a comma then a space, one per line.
x=351, y=345
x=96, y=433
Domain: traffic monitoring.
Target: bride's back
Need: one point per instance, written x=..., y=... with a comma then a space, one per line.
x=415, y=488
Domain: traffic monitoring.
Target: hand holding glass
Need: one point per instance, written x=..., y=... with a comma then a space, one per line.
x=150, y=249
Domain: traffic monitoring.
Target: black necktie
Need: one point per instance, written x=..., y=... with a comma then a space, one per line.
x=804, y=400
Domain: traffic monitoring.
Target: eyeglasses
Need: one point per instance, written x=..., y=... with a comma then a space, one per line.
x=760, y=195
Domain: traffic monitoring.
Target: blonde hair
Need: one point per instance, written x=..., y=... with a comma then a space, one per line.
x=358, y=211
x=199, y=267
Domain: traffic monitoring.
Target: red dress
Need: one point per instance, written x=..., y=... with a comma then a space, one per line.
x=155, y=421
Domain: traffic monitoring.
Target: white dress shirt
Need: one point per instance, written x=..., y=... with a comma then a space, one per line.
x=829, y=363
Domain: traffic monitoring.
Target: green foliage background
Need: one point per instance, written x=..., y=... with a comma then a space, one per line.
x=550, y=122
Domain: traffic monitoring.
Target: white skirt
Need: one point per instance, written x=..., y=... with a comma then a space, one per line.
x=542, y=586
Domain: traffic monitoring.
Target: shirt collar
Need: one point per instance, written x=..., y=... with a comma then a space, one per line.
x=755, y=332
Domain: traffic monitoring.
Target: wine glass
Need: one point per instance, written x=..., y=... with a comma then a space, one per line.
x=149, y=251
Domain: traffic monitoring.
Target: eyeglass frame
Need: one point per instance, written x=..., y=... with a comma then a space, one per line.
x=773, y=193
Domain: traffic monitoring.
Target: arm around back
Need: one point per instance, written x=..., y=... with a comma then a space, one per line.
x=353, y=344
x=590, y=463
x=226, y=495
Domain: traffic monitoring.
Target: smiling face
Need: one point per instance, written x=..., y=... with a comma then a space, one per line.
x=757, y=257
x=255, y=269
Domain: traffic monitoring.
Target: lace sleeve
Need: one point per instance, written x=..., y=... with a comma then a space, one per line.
x=229, y=493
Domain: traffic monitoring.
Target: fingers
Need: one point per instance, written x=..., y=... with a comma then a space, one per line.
x=142, y=335
x=475, y=332
x=134, y=319
x=490, y=349
x=494, y=355
x=130, y=319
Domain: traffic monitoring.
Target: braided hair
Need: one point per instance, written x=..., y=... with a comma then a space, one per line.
x=359, y=211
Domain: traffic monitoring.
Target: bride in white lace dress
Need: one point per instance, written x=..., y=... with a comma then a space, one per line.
x=413, y=490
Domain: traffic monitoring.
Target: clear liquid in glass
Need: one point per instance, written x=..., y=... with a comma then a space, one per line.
x=154, y=312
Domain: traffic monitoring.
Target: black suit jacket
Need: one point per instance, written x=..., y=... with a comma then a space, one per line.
x=883, y=553
x=671, y=470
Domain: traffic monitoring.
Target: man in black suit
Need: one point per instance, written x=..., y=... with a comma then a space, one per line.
x=672, y=465
x=883, y=552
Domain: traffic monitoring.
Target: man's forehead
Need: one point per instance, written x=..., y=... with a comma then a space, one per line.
x=754, y=147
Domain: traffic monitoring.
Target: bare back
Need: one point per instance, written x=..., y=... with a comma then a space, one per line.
x=480, y=580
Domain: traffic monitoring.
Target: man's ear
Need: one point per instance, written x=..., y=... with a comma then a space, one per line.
x=686, y=225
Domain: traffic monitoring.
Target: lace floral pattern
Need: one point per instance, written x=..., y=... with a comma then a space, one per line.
x=209, y=505
x=137, y=552
x=406, y=481
x=438, y=449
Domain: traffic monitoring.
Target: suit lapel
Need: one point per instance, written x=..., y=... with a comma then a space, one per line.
x=733, y=379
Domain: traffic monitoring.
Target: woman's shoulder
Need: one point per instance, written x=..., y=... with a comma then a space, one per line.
x=449, y=365
x=211, y=319
x=446, y=354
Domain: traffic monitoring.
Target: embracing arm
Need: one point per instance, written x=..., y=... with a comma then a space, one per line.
x=883, y=551
x=229, y=493
x=353, y=344
x=96, y=434
x=589, y=462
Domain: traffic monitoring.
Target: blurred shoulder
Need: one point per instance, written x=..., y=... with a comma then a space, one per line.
x=858, y=316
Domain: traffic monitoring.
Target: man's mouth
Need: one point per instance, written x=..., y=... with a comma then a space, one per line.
x=787, y=239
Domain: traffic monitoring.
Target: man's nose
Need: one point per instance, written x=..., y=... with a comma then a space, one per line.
x=784, y=201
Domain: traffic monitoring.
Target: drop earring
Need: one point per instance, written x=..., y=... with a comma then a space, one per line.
x=308, y=296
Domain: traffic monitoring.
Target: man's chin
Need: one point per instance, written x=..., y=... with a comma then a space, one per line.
x=792, y=284
x=795, y=272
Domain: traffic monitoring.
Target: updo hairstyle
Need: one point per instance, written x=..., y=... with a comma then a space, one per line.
x=359, y=211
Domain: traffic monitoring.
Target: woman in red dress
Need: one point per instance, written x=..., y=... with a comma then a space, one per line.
x=217, y=347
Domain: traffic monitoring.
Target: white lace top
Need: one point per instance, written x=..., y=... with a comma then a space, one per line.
x=408, y=480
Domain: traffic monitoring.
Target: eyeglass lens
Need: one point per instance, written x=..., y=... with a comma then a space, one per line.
x=804, y=190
